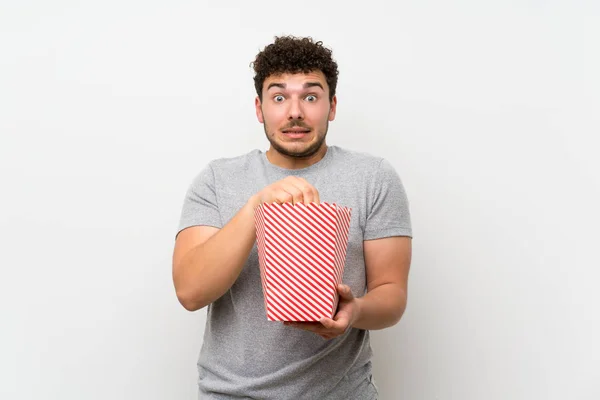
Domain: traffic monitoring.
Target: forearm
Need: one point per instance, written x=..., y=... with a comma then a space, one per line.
x=381, y=308
x=211, y=268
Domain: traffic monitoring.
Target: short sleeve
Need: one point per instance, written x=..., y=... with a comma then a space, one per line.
x=389, y=213
x=200, y=203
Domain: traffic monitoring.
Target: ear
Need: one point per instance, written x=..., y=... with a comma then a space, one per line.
x=259, y=114
x=333, y=108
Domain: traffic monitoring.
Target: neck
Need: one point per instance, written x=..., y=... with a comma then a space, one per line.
x=289, y=162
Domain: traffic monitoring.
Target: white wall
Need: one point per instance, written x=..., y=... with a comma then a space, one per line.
x=489, y=110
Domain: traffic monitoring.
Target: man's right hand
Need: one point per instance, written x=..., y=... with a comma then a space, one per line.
x=207, y=260
x=291, y=189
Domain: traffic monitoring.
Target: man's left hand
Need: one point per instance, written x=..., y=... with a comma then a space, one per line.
x=327, y=328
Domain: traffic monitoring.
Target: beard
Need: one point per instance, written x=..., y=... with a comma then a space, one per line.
x=304, y=153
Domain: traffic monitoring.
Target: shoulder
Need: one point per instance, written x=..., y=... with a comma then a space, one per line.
x=373, y=172
x=237, y=167
x=358, y=160
x=354, y=155
x=236, y=163
x=225, y=168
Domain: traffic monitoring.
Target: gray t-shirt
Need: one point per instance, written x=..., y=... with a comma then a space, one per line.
x=245, y=356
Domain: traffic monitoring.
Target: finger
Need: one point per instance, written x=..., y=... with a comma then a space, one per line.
x=281, y=196
x=345, y=292
x=335, y=327
x=340, y=323
x=328, y=323
x=302, y=185
x=317, y=196
x=307, y=193
x=297, y=195
x=308, y=188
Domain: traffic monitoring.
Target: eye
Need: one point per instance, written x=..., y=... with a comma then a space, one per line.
x=311, y=98
x=278, y=99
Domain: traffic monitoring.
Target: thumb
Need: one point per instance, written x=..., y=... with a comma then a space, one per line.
x=345, y=292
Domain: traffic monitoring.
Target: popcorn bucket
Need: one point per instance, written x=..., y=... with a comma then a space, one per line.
x=301, y=252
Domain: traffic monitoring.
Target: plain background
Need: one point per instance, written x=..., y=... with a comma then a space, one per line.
x=488, y=110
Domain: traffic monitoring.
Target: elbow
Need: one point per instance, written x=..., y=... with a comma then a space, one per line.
x=397, y=317
x=402, y=310
x=191, y=297
x=190, y=302
x=399, y=310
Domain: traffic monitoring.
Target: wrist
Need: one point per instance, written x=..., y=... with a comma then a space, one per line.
x=253, y=202
x=358, y=311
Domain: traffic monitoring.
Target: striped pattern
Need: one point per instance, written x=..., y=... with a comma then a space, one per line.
x=302, y=252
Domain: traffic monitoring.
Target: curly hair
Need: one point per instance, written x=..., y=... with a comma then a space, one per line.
x=290, y=54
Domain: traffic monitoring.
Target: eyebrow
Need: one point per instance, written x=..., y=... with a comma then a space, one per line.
x=306, y=85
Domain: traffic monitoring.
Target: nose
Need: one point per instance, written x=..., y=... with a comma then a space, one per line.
x=295, y=111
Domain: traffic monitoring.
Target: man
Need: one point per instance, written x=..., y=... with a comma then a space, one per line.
x=215, y=260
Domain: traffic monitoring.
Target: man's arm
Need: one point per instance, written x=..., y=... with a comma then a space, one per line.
x=207, y=260
x=387, y=248
x=387, y=263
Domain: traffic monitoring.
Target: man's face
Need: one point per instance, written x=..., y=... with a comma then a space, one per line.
x=295, y=110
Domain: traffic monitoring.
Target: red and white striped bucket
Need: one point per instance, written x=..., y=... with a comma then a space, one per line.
x=301, y=252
